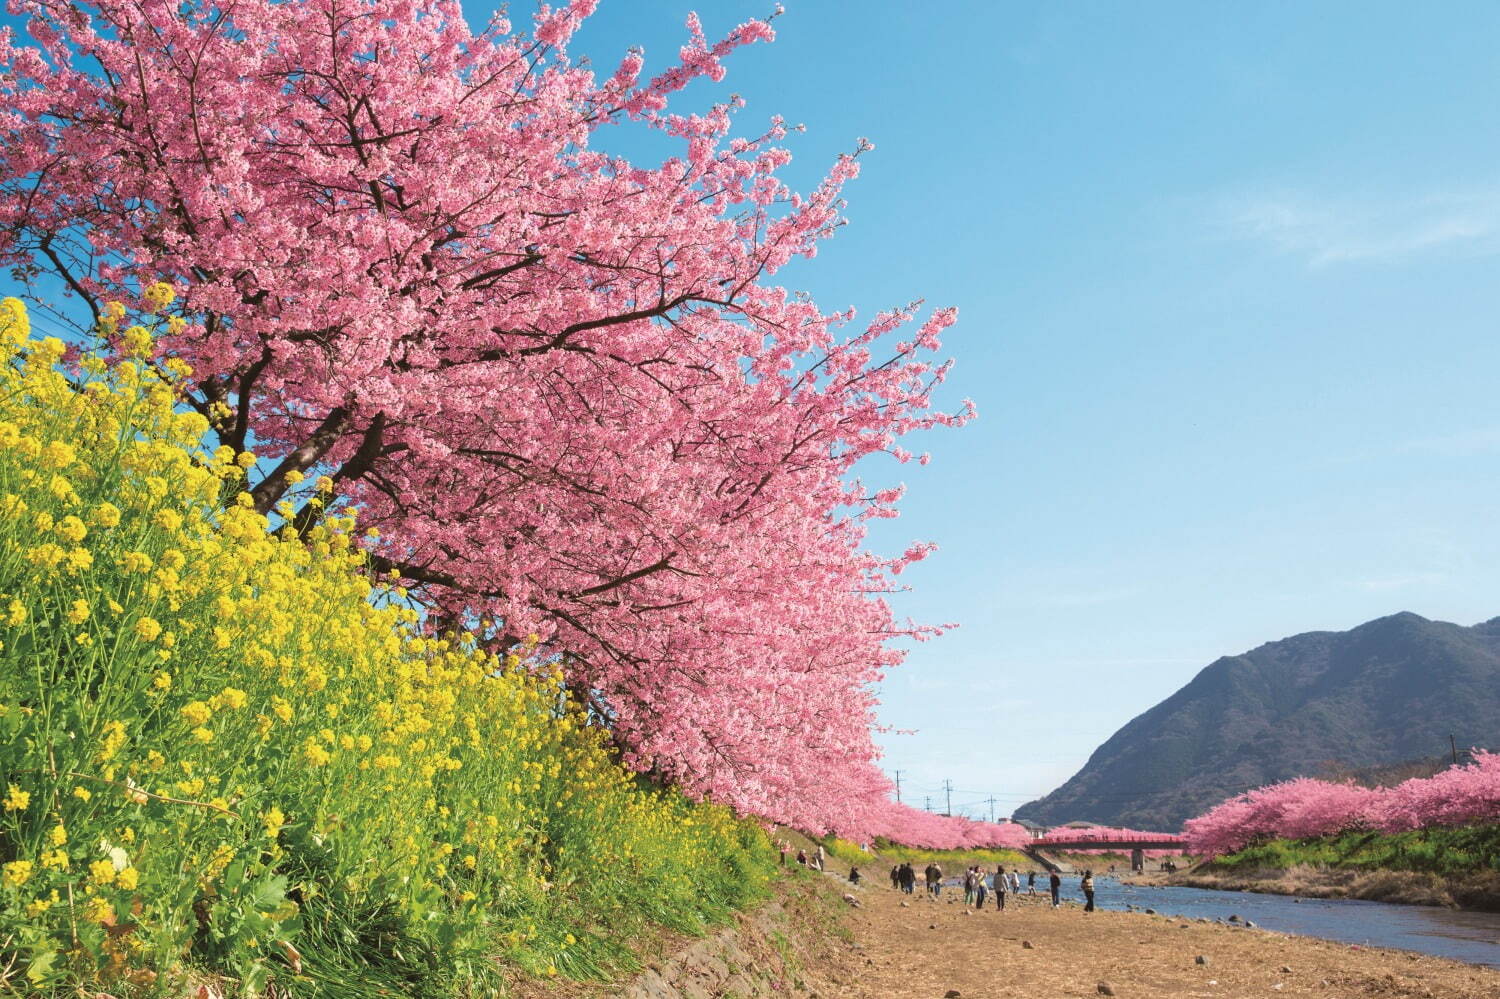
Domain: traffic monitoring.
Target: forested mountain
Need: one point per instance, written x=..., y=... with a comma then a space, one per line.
x=1323, y=703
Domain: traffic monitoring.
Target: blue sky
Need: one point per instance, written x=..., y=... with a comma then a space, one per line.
x=1227, y=284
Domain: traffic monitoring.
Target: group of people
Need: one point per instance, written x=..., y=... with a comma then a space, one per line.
x=904, y=878
x=815, y=861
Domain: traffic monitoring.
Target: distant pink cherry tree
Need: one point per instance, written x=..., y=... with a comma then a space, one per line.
x=1304, y=808
x=565, y=387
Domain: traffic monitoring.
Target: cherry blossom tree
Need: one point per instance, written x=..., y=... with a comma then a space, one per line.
x=1303, y=808
x=565, y=388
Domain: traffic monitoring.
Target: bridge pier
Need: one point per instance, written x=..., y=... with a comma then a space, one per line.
x=1137, y=859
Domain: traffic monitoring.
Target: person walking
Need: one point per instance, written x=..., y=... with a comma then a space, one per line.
x=908, y=877
x=1031, y=882
x=969, y=887
x=1055, y=880
x=821, y=856
x=1015, y=882
x=979, y=887
x=854, y=875
x=783, y=846
x=1000, y=888
x=1088, y=890
x=895, y=875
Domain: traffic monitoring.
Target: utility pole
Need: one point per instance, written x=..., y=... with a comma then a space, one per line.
x=1452, y=744
x=948, y=789
x=927, y=802
x=992, y=811
x=898, y=787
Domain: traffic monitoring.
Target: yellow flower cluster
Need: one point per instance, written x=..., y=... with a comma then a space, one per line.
x=252, y=704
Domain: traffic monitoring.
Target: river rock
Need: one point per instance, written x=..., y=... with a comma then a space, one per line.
x=1150, y=912
x=1026, y=945
x=1250, y=924
x=1200, y=959
x=932, y=926
x=1286, y=970
x=906, y=905
x=952, y=994
x=1234, y=919
x=851, y=900
x=1105, y=989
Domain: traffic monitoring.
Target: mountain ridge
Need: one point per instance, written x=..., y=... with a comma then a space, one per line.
x=1384, y=692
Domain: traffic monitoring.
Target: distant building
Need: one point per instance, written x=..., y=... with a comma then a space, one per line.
x=1032, y=829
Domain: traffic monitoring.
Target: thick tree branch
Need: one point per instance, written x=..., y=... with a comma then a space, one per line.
x=303, y=457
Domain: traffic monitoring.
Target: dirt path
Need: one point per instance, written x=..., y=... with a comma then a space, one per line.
x=925, y=949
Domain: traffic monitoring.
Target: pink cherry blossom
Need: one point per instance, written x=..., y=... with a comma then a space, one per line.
x=1303, y=808
x=565, y=387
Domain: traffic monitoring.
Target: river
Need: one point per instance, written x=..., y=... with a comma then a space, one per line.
x=1473, y=937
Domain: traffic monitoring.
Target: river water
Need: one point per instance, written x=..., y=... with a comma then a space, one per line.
x=1473, y=937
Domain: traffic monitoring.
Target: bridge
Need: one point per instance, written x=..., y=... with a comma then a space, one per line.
x=1137, y=847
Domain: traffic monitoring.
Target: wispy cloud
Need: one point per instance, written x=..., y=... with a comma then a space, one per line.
x=1328, y=230
x=1400, y=581
x=1459, y=444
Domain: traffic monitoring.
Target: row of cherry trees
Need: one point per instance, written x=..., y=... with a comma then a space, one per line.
x=915, y=827
x=1463, y=794
x=567, y=388
x=1102, y=834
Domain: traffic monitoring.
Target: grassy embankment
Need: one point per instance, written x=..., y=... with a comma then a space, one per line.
x=229, y=754
x=1457, y=865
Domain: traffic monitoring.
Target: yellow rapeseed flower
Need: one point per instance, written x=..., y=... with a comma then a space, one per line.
x=16, y=873
x=158, y=296
x=58, y=454
x=16, y=800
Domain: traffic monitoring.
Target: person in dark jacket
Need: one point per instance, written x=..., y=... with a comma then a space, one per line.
x=1087, y=884
x=908, y=878
x=1055, y=880
x=895, y=875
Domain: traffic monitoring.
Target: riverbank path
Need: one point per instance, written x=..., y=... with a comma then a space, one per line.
x=911, y=946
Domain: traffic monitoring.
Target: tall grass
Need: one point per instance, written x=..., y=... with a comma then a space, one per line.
x=230, y=753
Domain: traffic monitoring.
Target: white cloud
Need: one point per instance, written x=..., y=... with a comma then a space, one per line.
x=1401, y=581
x=1339, y=229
